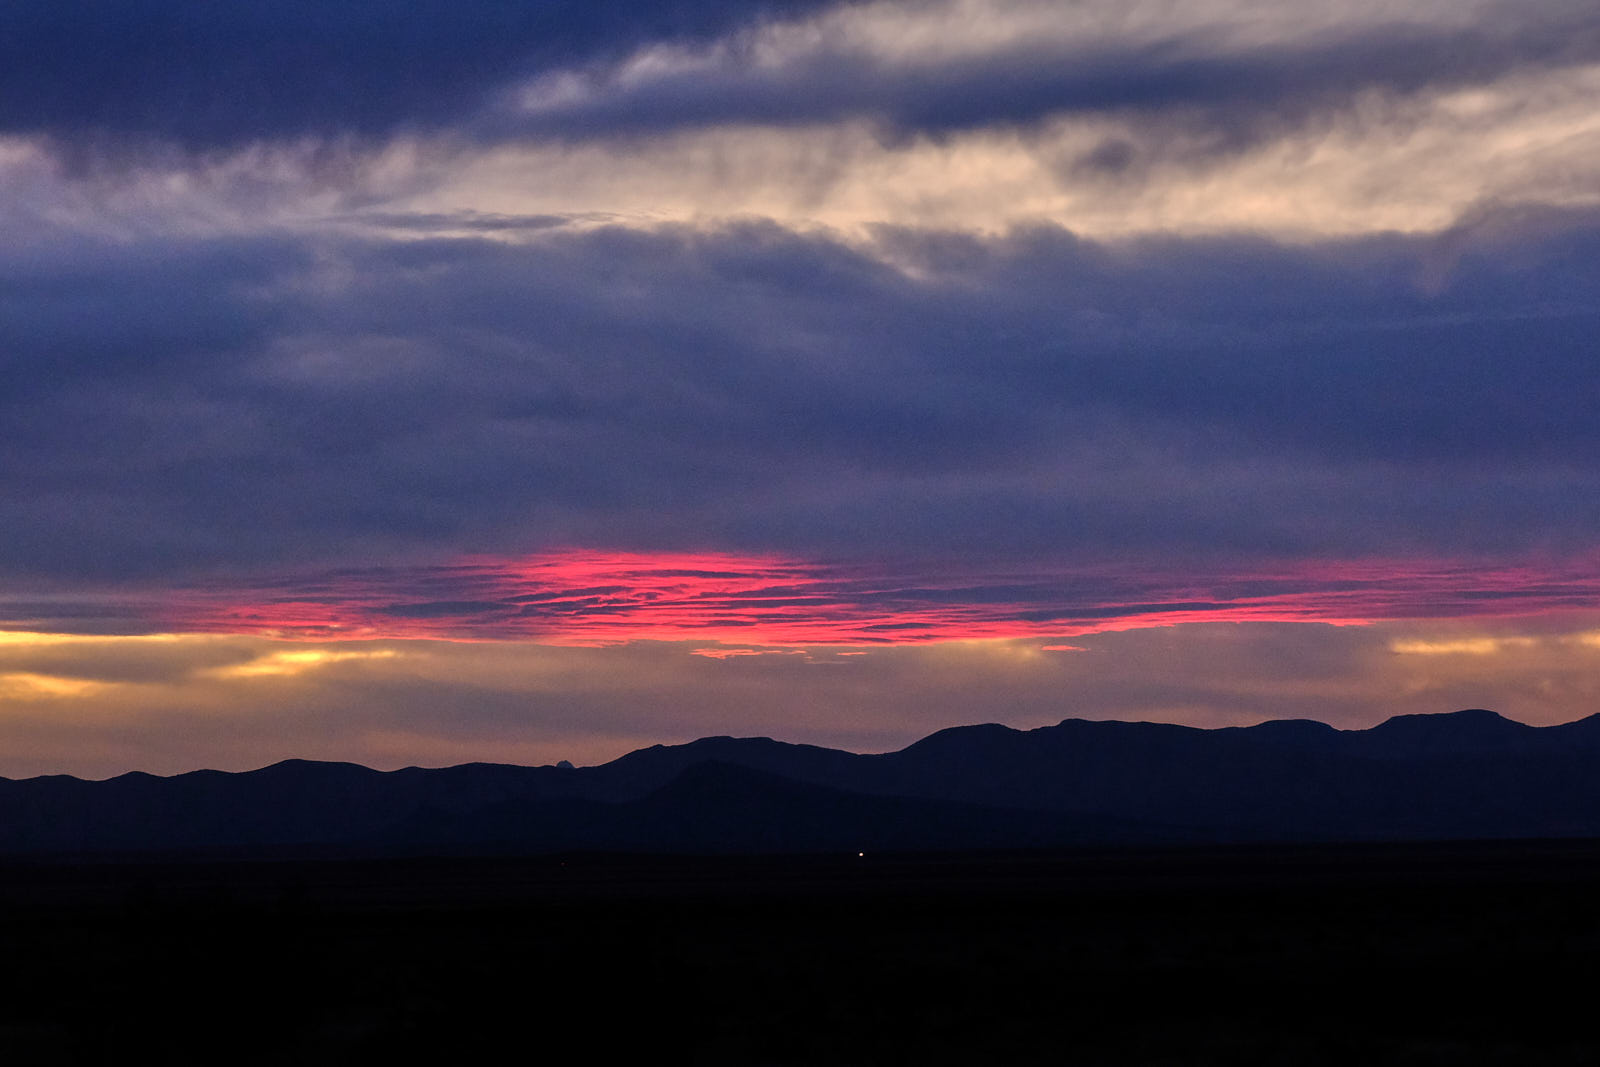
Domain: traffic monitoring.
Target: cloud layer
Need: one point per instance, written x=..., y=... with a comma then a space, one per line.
x=176, y=407
x=585, y=598
x=204, y=76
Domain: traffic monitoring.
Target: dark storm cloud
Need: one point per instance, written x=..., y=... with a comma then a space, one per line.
x=203, y=74
x=104, y=310
x=181, y=406
x=1341, y=351
x=1236, y=91
x=98, y=75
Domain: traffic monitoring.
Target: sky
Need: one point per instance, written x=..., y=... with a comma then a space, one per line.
x=419, y=383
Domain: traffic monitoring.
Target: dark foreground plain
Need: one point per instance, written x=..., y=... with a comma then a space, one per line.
x=1394, y=954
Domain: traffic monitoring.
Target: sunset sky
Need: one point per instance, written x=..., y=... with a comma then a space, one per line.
x=423, y=382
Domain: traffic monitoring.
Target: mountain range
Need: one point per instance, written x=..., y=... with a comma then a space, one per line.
x=1465, y=775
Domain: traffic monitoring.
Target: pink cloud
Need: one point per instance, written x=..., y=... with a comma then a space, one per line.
x=580, y=598
x=735, y=653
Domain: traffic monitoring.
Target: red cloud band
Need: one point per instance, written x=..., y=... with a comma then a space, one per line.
x=594, y=598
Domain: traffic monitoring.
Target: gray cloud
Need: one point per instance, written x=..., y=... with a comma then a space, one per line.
x=98, y=75
x=1238, y=93
x=98, y=80
x=179, y=406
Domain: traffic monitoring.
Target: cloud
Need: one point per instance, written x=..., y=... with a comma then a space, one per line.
x=1214, y=75
x=1471, y=646
x=767, y=605
x=92, y=76
x=23, y=685
x=95, y=662
x=201, y=76
x=1419, y=164
x=299, y=661
x=1108, y=118
x=182, y=407
x=719, y=652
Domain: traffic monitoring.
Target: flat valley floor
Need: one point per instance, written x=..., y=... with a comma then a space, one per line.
x=1415, y=954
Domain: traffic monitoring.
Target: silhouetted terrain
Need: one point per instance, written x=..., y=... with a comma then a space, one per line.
x=1471, y=774
x=985, y=895
x=1443, y=954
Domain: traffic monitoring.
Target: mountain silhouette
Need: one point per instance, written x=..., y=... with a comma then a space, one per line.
x=714, y=807
x=1468, y=774
x=1458, y=733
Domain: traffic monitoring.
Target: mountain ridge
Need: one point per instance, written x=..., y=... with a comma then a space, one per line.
x=1080, y=782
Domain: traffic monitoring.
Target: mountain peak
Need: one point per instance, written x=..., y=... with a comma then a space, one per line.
x=1471, y=730
x=1467, y=719
x=967, y=741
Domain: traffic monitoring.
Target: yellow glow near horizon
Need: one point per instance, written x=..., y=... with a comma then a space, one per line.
x=29, y=684
x=30, y=638
x=279, y=664
x=1469, y=646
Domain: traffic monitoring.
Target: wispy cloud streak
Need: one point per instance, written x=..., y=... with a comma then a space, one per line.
x=593, y=598
x=1213, y=73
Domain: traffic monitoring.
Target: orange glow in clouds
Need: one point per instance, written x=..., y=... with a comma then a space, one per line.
x=593, y=598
